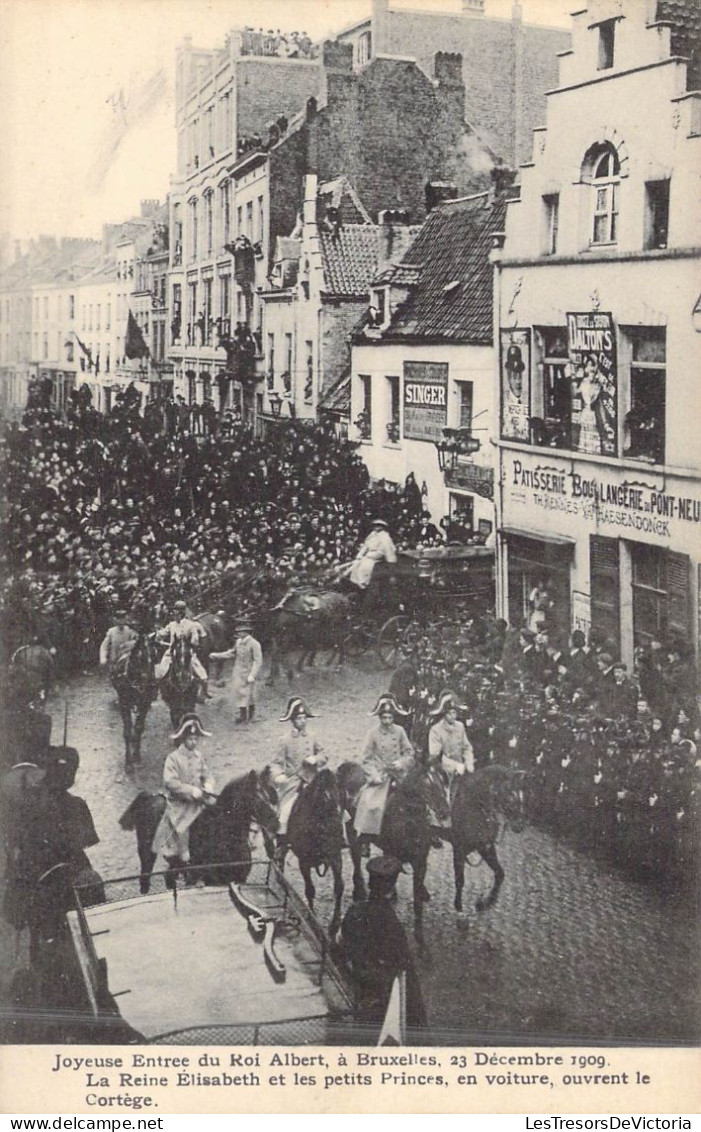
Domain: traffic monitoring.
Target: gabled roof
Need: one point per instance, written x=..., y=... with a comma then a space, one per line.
x=450, y=298
x=349, y=257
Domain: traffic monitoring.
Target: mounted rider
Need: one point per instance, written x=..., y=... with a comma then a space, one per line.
x=181, y=628
x=387, y=756
x=299, y=757
x=118, y=640
x=189, y=787
x=448, y=744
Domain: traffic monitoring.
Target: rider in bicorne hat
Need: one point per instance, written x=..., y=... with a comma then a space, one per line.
x=448, y=744
x=377, y=951
x=387, y=754
x=299, y=757
x=189, y=788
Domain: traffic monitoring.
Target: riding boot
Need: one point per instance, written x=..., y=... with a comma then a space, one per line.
x=174, y=866
x=251, y=713
x=242, y=717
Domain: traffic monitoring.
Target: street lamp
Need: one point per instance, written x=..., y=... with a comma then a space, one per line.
x=275, y=402
x=456, y=442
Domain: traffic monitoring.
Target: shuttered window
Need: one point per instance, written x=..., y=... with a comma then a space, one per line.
x=604, y=582
x=660, y=593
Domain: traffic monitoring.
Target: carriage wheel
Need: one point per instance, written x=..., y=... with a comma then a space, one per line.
x=390, y=637
x=358, y=641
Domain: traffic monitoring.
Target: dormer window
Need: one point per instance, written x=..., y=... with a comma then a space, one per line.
x=607, y=40
x=378, y=307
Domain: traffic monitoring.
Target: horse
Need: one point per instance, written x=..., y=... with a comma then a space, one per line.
x=38, y=665
x=315, y=836
x=179, y=686
x=414, y=804
x=309, y=622
x=134, y=680
x=219, y=630
x=219, y=834
x=478, y=801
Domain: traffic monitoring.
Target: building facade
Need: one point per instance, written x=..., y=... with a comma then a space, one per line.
x=599, y=480
x=423, y=363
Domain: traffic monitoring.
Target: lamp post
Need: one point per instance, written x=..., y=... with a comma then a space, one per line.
x=456, y=442
x=275, y=402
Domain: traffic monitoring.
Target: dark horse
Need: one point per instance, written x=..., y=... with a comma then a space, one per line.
x=179, y=686
x=134, y=680
x=218, y=835
x=308, y=622
x=479, y=800
x=315, y=836
x=414, y=804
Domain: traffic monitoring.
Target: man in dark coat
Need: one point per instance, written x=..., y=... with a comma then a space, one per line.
x=377, y=951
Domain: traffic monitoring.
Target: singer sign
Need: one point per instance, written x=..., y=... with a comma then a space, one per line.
x=425, y=400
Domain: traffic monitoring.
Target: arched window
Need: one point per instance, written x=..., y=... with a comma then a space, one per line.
x=601, y=169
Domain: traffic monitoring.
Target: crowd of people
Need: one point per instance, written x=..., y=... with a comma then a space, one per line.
x=611, y=757
x=124, y=510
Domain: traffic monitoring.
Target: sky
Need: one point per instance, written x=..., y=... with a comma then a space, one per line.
x=86, y=90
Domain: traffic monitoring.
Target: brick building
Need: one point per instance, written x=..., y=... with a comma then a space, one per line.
x=597, y=284
x=507, y=65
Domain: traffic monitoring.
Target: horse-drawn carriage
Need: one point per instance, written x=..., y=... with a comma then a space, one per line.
x=424, y=587
x=228, y=964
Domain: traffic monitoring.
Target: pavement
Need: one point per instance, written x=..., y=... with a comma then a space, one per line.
x=572, y=952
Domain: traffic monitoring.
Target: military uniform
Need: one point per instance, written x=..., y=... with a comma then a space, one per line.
x=386, y=749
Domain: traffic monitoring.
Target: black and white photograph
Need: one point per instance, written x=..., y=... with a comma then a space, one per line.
x=350, y=528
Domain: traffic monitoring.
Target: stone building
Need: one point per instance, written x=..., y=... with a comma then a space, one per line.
x=599, y=482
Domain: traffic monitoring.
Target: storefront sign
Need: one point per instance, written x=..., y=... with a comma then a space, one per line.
x=425, y=400
x=515, y=368
x=472, y=477
x=616, y=507
x=591, y=346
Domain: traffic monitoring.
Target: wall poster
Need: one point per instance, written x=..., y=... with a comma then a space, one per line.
x=515, y=368
x=591, y=346
x=425, y=400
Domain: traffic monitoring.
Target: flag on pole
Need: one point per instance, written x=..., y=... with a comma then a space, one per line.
x=85, y=349
x=134, y=343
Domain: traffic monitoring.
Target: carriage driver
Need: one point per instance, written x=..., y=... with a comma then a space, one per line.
x=118, y=640
x=299, y=757
x=387, y=755
x=378, y=547
x=189, y=787
x=181, y=627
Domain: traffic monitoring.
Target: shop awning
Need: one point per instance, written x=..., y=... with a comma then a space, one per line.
x=563, y=541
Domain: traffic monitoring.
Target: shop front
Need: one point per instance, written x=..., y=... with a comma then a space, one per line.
x=614, y=549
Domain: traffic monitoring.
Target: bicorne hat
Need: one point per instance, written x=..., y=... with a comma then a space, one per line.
x=447, y=700
x=294, y=704
x=388, y=700
x=190, y=723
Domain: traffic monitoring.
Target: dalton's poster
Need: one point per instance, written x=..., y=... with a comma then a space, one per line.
x=591, y=346
x=274, y=841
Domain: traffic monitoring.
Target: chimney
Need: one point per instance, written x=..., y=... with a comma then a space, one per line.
x=394, y=235
x=502, y=181
x=473, y=7
x=379, y=28
x=439, y=191
x=337, y=77
x=450, y=88
x=149, y=208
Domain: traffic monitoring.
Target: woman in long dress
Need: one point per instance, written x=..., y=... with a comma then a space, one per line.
x=589, y=390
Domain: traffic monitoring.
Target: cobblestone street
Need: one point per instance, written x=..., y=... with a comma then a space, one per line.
x=570, y=952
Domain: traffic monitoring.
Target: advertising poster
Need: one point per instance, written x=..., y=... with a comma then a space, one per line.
x=515, y=371
x=591, y=346
x=425, y=400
